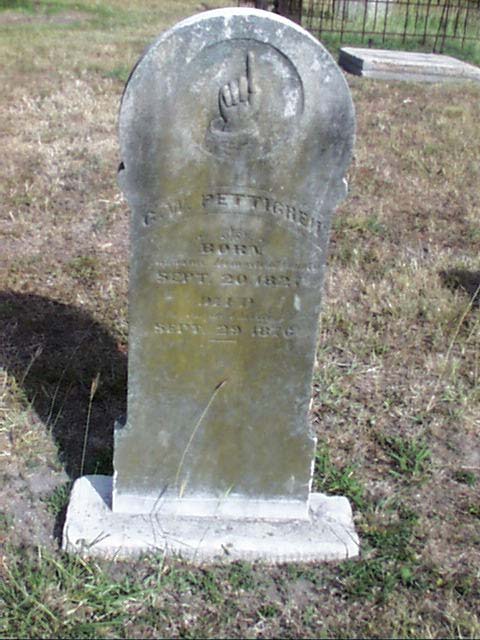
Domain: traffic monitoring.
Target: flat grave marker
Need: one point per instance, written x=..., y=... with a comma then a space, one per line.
x=382, y=64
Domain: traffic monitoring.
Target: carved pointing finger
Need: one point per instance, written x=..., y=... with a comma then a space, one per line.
x=238, y=99
x=243, y=89
x=251, y=79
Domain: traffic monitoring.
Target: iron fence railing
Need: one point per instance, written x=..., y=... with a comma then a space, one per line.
x=430, y=23
x=289, y=8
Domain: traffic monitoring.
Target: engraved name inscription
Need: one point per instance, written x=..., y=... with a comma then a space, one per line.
x=241, y=203
x=166, y=211
x=245, y=203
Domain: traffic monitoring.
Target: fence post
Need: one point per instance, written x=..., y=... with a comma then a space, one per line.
x=289, y=8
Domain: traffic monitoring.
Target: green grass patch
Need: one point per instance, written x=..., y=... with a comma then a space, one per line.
x=410, y=456
x=44, y=596
x=465, y=477
x=16, y=4
x=329, y=478
x=120, y=73
x=58, y=499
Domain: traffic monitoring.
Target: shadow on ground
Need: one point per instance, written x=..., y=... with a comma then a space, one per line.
x=55, y=352
x=463, y=280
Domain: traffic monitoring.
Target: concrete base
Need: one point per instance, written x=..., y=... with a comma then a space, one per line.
x=92, y=529
x=235, y=507
x=405, y=65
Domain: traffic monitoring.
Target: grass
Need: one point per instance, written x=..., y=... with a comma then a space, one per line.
x=396, y=388
x=410, y=456
x=337, y=481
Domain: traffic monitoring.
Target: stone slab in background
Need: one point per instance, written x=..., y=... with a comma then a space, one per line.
x=92, y=529
x=406, y=65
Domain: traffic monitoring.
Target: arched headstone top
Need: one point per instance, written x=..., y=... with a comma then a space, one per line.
x=236, y=95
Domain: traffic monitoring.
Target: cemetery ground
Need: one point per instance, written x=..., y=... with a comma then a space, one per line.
x=396, y=387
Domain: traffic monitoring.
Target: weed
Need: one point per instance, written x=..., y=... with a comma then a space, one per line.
x=58, y=499
x=302, y=572
x=209, y=586
x=310, y=615
x=6, y=522
x=240, y=576
x=410, y=456
x=268, y=610
x=334, y=480
x=390, y=534
x=390, y=561
x=465, y=477
x=119, y=73
x=84, y=268
x=361, y=225
x=93, y=390
x=474, y=509
x=465, y=585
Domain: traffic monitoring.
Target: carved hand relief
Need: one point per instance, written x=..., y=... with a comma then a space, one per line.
x=238, y=101
x=254, y=109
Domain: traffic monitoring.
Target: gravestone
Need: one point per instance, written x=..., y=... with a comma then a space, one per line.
x=236, y=129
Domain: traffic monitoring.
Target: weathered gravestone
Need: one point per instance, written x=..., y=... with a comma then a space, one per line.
x=236, y=130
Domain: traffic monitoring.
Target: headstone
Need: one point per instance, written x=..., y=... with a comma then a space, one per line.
x=236, y=130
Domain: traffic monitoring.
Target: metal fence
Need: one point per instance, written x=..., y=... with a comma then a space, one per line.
x=289, y=8
x=430, y=23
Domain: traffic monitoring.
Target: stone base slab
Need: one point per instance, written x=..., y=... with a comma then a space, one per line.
x=405, y=65
x=234, y=507
x=93, y=530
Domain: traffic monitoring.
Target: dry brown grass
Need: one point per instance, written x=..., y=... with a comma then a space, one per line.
x=398, y=362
